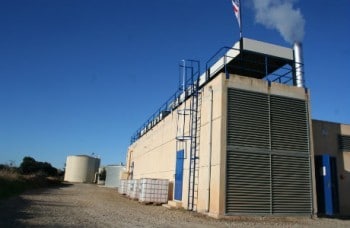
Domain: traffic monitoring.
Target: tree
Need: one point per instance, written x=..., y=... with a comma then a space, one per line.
x=30, y=166
x=48, y=169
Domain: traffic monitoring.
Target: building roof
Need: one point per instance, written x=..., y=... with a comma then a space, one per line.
x=247, y=57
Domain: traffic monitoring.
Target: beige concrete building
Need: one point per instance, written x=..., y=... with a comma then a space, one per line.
x=236, y=140
x=333, y=140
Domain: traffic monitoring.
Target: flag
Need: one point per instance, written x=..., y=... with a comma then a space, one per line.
x=236, y=9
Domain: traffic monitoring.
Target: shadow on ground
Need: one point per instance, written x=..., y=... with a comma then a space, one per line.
x=13, y=213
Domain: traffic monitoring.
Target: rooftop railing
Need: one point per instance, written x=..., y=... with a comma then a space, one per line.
x=227, y=60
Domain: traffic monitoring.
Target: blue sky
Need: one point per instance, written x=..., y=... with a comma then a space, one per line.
x=81, y=76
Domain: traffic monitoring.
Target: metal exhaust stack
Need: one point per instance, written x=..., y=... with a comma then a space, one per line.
x=299, y=65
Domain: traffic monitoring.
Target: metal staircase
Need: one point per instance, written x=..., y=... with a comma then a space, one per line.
x=188, y=124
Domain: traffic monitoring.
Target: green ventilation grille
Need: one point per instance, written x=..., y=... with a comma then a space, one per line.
x=268, y=164
x=291, y=185
x=248, y=183
x=249, y=119
x=289, y=125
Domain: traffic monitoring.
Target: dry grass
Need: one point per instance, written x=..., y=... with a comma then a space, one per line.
x=12, y=183
x=10, y=175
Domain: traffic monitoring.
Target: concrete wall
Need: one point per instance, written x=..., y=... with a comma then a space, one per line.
x=325, y=136
x=154, y=154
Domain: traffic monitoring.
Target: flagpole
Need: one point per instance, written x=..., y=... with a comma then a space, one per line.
x=240, y=19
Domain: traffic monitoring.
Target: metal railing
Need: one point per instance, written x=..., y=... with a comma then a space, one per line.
x=283, y=75
x=184, y=91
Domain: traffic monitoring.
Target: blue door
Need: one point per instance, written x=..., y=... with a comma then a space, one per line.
x=179, y=174
x=326, y=184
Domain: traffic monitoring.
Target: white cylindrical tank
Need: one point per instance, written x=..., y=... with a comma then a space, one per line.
x=81, y=168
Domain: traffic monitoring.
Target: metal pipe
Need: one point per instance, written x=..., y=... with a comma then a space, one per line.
x=299, y=65
x=183, y=76
x=210, y=144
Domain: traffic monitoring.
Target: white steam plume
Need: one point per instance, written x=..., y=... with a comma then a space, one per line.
x=280, y=15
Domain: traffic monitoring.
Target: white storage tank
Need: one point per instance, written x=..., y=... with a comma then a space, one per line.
x=113, y=175
x=81, y=168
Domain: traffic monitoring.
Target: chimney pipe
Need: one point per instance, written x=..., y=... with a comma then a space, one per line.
x=299, y=65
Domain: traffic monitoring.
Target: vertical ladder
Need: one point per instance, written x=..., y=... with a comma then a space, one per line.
x=194, y=151
x=187, y=126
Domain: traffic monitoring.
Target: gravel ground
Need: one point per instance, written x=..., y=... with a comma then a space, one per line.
x=85, y=205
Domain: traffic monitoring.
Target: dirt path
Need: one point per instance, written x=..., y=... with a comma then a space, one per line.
x=84, y=205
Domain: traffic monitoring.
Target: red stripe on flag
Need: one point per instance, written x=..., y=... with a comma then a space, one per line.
x=235, y=9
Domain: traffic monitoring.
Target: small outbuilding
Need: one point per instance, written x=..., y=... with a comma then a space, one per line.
x=113, y=175
x=332, y=164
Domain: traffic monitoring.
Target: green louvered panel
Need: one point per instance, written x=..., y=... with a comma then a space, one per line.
x=289, y=124
x=344, y=142
x=268, y=166
x=291, y=185
x=247, y=183
x=248, y=119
